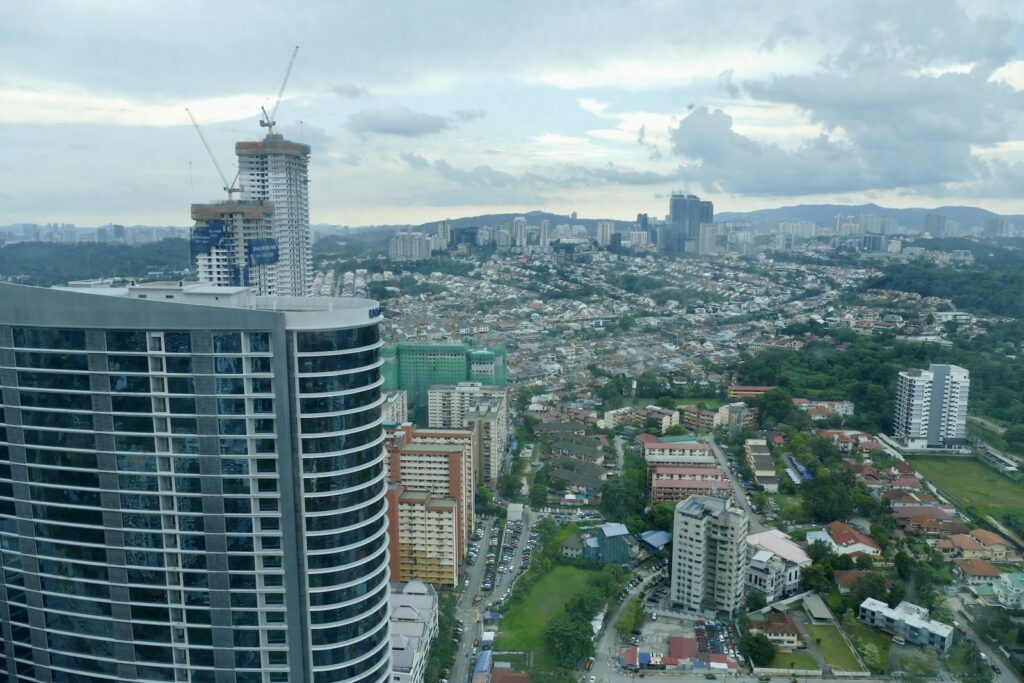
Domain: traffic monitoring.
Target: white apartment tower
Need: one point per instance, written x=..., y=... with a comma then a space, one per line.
x=481, y=409
x=709, y=555
x=276, y=169
x=519, y=231
x=604, y=233
x=931, y=407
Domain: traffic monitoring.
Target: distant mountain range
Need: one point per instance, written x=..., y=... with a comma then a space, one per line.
x=822, y=214
x=825, y=214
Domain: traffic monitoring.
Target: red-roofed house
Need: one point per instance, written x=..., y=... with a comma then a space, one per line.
x=962, y=545
x=846, y=579
x=996, y=546
x=779, y=628
x=976, y=572
x=845, y=540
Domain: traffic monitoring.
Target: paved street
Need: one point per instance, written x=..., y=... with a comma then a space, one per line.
x=472, y=615
x=739, y=495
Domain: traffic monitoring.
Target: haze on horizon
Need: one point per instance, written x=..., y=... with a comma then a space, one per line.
x=416, y=112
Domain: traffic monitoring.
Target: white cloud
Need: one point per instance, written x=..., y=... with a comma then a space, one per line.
x=1011, y=73
x=66, y=104
x=593, y=106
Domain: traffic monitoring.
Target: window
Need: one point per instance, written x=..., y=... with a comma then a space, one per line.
x=227, y=342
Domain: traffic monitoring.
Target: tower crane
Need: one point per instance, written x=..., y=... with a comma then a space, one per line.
x=268, y=121
x=232, y=187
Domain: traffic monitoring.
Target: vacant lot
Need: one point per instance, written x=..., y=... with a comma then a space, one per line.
x=793, y=660
x=864, y=636
x=522, y=627
x=833, y=648
x=976, y=485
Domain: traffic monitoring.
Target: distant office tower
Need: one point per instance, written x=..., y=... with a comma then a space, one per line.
x=709, y=555
x=192, y=486
x=409, y=246
x=639, y=238
x=996, y=226
x=545, y=233
x=416, y=367
x=444, y=233
x=481, y=409
x=931, y=407
x=276, y=170
x=502, y=238
x=232, y=244
x=465, y=238
x=707, y=239
x=682, y=232
x=874, y=243
x=935, y=224
x=519, y=231
x=615, y=244
x=604, y=233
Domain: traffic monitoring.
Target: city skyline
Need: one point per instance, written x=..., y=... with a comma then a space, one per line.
x=752, y=110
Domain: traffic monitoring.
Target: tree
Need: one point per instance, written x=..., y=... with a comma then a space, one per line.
x=818, y=551
x=776, y=407
x=864, y=562
x=485, y=495
x=663, y=516
x=508, y=486
x=675, y=430
x=569, y=637
x=904, y=564
x=756, y=601
x=757, y=648
x=871, y=585
x=1015, y=435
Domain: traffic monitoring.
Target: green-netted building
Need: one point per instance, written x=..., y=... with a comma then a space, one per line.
x=415, y=367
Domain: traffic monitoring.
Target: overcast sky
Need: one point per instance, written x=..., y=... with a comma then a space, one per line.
x=420, y=110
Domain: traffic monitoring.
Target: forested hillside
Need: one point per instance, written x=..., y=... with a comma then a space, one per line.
x=864, y=371
x=994, y=285
x=44, y=264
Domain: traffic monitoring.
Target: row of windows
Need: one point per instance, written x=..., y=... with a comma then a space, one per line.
x=136, y=340
x=338, y=363
x=337, y=340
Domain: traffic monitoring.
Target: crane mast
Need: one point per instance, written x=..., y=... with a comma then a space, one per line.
x=268, y=121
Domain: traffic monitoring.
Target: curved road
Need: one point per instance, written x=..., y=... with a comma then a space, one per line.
x=738, y=494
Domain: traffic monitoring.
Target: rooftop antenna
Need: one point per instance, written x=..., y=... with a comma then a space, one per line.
x=232, y=187
x=268, y=121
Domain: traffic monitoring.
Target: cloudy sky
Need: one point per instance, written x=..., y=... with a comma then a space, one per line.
x=420, y=110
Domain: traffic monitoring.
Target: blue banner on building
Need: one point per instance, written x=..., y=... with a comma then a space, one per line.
x=261, y=252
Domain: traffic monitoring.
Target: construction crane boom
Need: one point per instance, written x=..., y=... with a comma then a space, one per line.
x=268, y=121
x=230, y=188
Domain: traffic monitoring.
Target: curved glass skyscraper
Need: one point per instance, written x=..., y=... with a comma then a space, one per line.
x=191, y=487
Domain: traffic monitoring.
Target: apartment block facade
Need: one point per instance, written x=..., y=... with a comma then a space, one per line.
x=709, y=556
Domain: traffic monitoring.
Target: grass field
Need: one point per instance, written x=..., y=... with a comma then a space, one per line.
x=833, y=648
x=793, y=660
x=976, y=485
x=869, y=636
x=522, y=627
x=923, y=664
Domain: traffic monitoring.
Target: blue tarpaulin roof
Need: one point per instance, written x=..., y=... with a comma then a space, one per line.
x=656, y=538
x=483, y=663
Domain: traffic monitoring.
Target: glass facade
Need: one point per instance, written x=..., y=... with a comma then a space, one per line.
x=146, y=503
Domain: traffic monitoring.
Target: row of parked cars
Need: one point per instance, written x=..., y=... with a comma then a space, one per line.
x=490, y=575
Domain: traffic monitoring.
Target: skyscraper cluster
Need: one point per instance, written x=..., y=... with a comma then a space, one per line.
x=682, y=232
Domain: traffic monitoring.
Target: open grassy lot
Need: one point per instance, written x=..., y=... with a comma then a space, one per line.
x=833, y=648
x=793, y=660
x=522, y=627
x=974, y=484
x=862, y=635
x=924, y=664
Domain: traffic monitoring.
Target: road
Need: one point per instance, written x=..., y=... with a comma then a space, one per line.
x=469, y=613
x=738, y=494
x=472, y=615
x=1007, y=676
x=987, y=423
